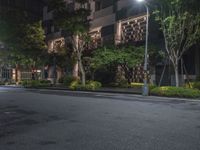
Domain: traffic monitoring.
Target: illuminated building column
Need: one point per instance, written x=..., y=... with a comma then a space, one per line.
x=118, y=33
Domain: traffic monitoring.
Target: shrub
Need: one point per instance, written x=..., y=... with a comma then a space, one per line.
x=61, y=80
x=36, y=83
x=93, y=85
x=90, y=85
x=67, y=80
x=2, y=83
x=196, y=85
x=151, y=87
x=24, y=83
x=44, y=83
x=198, y=78
x=176, y=92
x=193, y=85
x=189, y=85
x=75, y=85
x=123, y=83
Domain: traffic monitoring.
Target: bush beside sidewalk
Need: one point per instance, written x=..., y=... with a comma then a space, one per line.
x=180, y=92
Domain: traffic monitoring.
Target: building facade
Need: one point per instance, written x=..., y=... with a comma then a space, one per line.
x=119, y=22
x=112, y=22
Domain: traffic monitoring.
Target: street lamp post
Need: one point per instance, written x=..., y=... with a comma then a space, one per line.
x=145, y=91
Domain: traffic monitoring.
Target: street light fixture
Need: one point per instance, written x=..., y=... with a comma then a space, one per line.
x=145, y=91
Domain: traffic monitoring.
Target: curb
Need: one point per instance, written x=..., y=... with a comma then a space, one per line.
x=138, y=94
x=93, y=91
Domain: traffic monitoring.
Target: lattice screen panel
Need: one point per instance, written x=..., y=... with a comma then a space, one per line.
x=134, y=29
x=96, y=39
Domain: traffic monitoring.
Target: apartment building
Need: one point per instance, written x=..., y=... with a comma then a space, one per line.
x=116, y=21
x=121, y=21
x=113, y=21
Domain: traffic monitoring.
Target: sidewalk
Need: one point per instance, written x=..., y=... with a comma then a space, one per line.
x=108, y=90
x=103, y=89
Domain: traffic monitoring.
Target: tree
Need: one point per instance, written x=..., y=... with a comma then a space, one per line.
x=180, y=26
x=23, y=36
x=75, y=22
x=127, y=57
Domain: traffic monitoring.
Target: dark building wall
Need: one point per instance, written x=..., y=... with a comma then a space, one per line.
x=34, y=7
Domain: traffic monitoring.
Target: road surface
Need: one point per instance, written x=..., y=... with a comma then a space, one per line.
x=59, y=120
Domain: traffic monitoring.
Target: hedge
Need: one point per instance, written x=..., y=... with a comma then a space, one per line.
x=181, y=92
x=90, y=85
x=36, y=83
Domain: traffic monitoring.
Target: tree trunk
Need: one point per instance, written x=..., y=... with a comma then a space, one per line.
x=176, y=73
x=16, y=72
x=78, y=48
x=81, y=68
x=162, y=75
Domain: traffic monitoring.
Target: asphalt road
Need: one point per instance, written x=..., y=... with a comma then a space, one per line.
x=58, y=120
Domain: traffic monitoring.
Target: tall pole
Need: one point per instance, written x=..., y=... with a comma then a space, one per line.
x=145, y=88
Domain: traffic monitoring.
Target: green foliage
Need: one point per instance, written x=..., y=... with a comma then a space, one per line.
x=198, y=78
x=67, y=80
x=2, y=83
x=74, y=21
x=193, y=85
x=123, y=84
x=90, y=85
x=130, y=56
x=35, y=83
x=75, y=85
x=176, y=92
x=22, y=35
x=180, y=26
x=105, y=74
x=151, y=87
x=196, y=85
x=127, y=57
x=61, y=80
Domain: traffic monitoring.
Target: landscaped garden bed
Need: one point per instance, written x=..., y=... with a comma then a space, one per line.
x=36, y=83
x=180, y=92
